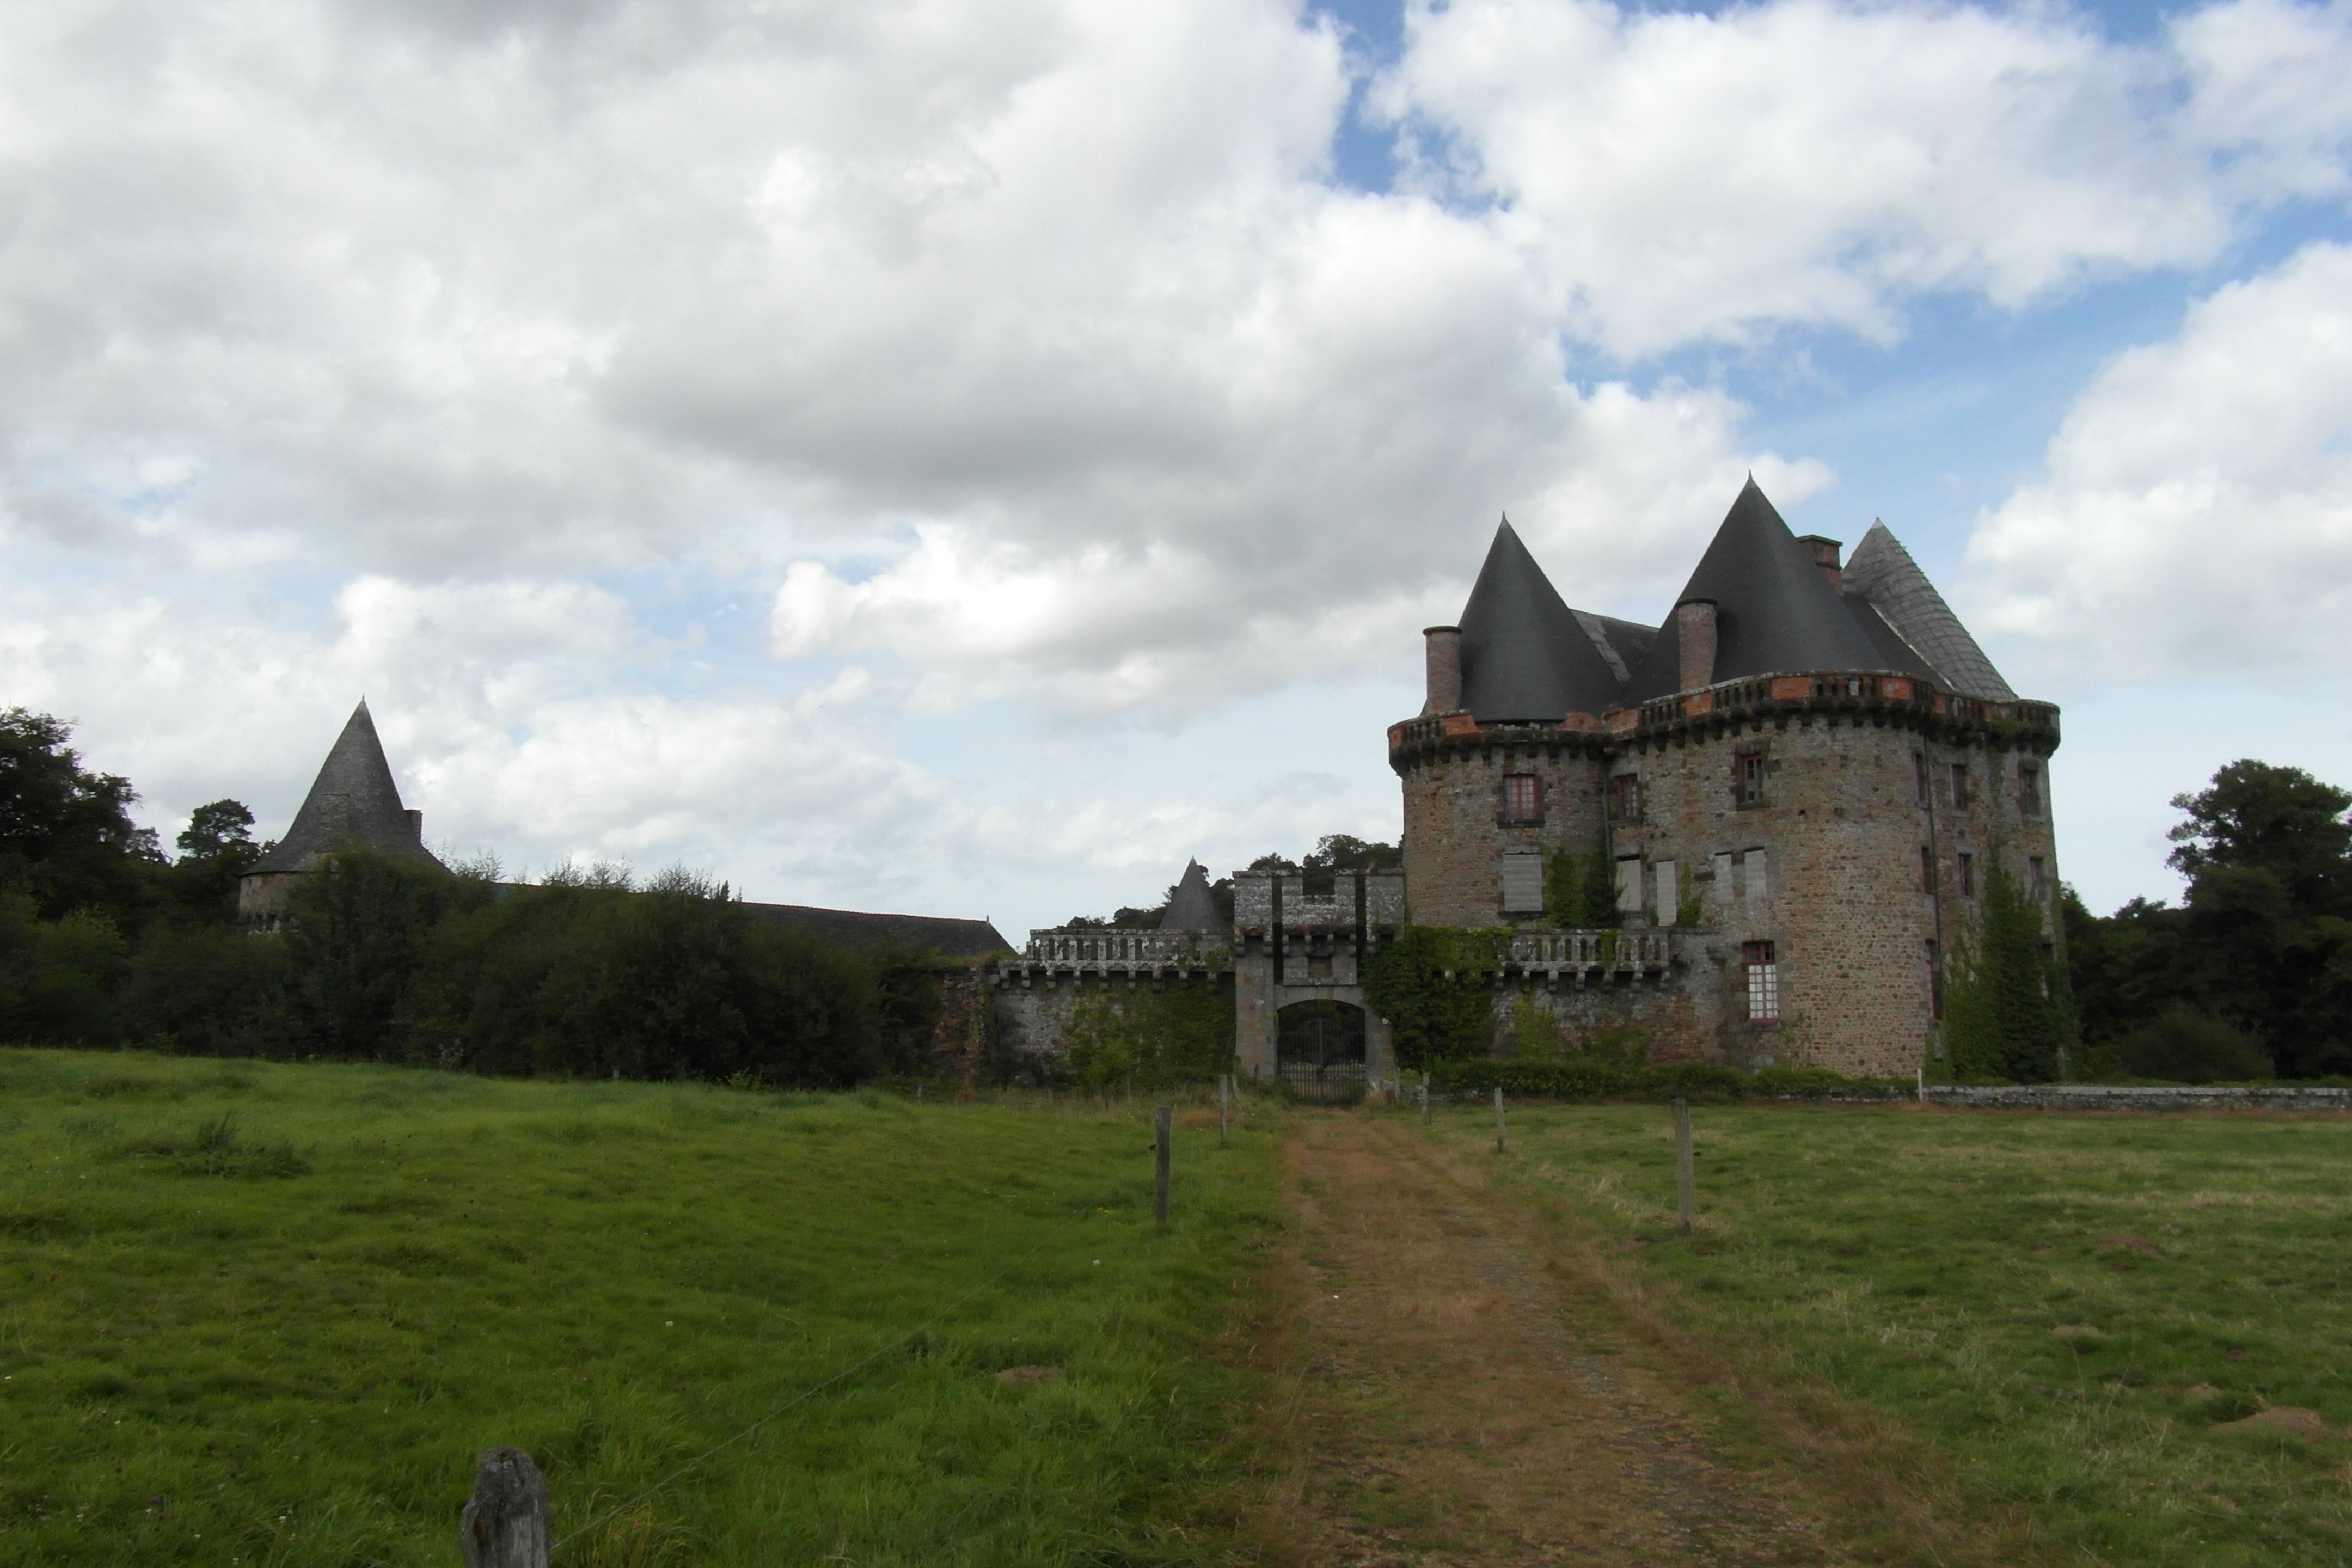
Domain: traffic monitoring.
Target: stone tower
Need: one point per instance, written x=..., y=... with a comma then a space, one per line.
x=1805, y=774
x=354, y=801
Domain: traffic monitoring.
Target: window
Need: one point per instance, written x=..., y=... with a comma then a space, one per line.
x=1625, y=798
x=1753, y=863
x=1763, y=981
x=2029, y=789
x=1748, y=779
x=1522, y=798
x=1967, y=865
x=1523, y=881
x=1926, y=870
x=1669, y=904
x=1935, y=979
x=1719, y=878
x=1919, y=776
x=2037, y=878
x=1629, y=887
x=1959, y=786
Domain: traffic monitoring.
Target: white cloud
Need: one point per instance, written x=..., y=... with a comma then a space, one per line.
x=2196, y=510
x=1022, y=356
x=1678, y=177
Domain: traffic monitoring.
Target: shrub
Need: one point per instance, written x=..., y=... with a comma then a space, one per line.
x=2185, y=1046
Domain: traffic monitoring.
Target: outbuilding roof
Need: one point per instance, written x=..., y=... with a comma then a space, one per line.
x=353, y=801
x=1194, y=907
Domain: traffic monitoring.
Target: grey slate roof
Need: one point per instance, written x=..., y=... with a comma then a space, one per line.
x=1775, y=613
x=353, y=800
x=1882, y=573
x=1526, y=656
x=862, y=933
x=1621, y=643
x=1194, y=907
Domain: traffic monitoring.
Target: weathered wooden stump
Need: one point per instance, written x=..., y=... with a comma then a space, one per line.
x=1160, y=1121
x=505, y=1524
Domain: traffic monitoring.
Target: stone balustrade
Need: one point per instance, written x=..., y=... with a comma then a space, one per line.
x=1585, y=954
x=1114, y=951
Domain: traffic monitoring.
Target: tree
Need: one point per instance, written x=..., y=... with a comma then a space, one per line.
x=221, y=830
x=2267, y=935
x=216, y=847
x=1346, y=852
x=65, y=833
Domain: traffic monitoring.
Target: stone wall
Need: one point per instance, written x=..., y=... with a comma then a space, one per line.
x=1864, y=884
x=2102, y=1097
x=1031, y=1019
x=1453, y=834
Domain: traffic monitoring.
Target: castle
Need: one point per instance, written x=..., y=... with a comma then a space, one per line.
x=1787, y=800
x=1795, y=788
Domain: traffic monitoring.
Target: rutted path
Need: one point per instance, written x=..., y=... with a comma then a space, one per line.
x=1461, y=1404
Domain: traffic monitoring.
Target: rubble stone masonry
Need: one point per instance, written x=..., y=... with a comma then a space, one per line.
x=1849, y=822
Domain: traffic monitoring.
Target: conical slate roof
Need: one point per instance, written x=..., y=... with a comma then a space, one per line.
x=1774, y=611
x=1194, y=907
x=1526, y=658
x=353, y=801
x=1883, y=572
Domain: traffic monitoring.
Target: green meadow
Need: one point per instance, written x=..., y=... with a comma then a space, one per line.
x=256, y=1313
x=2067, y=1310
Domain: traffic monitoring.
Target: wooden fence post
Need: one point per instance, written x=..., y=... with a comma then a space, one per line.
x=1425, y=1099
x=1498, y=1119
x=1225, y=1086
x=1160, y=1121
x=1685, y=1194
x=1920, y=1075
x=505, y=1523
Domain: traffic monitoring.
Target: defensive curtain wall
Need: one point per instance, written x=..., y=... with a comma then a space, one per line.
x=1290, y=972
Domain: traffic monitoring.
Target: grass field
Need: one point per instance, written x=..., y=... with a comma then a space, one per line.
x=2065, y=1308
x=267, y=1314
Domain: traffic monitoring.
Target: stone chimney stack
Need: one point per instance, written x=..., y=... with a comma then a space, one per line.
x=1694, y=640
x=1825, y=556
x=1444, y=652
x=416, y=824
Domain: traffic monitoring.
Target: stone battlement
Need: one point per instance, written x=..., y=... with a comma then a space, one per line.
x=1873, y=699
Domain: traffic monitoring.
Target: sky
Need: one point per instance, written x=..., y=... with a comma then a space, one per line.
x=967, y=460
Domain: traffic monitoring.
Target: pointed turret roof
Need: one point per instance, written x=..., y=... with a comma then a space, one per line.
x=1194, y=907
x=1882, y=573
x=353, y=800
x=1774, y=611
x=1526, y=658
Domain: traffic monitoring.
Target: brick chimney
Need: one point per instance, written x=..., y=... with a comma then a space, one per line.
x=1694, y=640
x=1825, y=556
x=1443, y=647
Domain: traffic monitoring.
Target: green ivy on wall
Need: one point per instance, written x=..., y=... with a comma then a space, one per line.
x=1149, y=1036
x=1433, y=984
x=2008, y=1011
x=1581, y=888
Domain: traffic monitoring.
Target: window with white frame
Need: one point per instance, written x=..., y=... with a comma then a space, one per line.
x=1763, y=969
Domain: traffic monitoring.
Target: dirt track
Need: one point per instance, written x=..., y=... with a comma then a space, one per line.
x=1459, y=1402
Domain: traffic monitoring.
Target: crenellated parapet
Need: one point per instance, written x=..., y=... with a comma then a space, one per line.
x=1761, y=701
